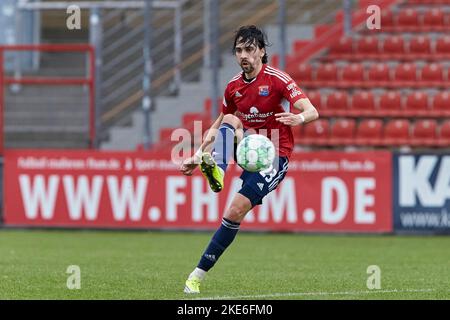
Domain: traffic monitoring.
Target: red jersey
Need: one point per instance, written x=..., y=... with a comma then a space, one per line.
x=257, y=101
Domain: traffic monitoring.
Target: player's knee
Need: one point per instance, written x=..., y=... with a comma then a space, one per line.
x=236, y=212
x=233, y=120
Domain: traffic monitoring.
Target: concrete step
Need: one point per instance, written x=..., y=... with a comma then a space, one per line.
x=23, y=103
x=126, y=138
x=54, y=129
x=170, y=113
x=61, y=122
x=46, y=140
x=69, y=144
x=42, y=107
x=33, y=91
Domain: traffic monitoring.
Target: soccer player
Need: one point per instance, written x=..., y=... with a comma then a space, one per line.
x=257, y=98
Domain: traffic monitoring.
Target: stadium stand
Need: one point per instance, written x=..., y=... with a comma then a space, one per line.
x=369, y=132
x=374, y=87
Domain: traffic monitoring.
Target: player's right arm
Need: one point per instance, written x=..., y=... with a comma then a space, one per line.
x=228, y=106
x=189, y=164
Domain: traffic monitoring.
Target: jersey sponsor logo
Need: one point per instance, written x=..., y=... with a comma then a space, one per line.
x=254, y=115
x=291, y=86
x=294, y=91
x=263, y=91
x=254, y=110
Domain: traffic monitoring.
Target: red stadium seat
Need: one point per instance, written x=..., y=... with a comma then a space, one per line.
x=444, y=134
x=396, y=132
x=441, y=104
x=432, y=75
x=417, y=104
x=297, y=133
x=369, y=132
x=433, y=20
x=303, y=74
x=316, y=132
x=342, y=48
x=419, y=47
x=337, y=103
x=408, y=20
x=343, y=132
x=316, y=99
x=367, y=48
x=424, y=133
x=379, y=75
x=428, y=2
x=363, y=104
x=405, y=75
x=390, y=104
x=393, y=48
x=326, y=74
x=352, y=76
x=388, y=20
x=443, y=47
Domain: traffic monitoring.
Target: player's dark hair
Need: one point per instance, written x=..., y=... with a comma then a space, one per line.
x=251, y=34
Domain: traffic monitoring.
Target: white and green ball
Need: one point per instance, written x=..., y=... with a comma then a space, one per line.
x=255, y=153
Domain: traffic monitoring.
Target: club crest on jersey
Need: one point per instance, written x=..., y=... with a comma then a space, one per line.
x=263, y=91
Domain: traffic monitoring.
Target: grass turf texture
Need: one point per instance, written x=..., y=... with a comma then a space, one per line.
x=154, y=265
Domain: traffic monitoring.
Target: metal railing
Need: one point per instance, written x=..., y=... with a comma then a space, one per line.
x=87, y=80
x=123, y=65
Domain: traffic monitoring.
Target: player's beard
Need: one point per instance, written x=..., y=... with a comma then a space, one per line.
x=248, y=68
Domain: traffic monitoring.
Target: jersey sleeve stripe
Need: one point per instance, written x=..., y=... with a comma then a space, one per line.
x=278, y=71
x=284, y=75
x=276, y=75
x=236, y=77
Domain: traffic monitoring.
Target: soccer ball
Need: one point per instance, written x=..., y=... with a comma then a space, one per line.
x=255, y=153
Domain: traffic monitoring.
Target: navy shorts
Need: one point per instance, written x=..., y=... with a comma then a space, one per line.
x=256, y=185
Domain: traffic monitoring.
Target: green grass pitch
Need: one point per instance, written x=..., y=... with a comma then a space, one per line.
x=154, y=265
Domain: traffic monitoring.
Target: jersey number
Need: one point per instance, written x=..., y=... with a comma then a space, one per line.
x=269, y=173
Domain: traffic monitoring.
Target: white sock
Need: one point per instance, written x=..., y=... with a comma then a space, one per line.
x=198, y=273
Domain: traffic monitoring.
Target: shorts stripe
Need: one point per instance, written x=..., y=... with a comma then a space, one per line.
x=280, y=174
x=257, y=185
x=284, y=169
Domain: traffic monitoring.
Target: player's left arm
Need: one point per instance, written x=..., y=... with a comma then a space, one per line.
x=308, y=113
x=292, y=93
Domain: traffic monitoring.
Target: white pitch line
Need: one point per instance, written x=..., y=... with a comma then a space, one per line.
x=298, y=294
